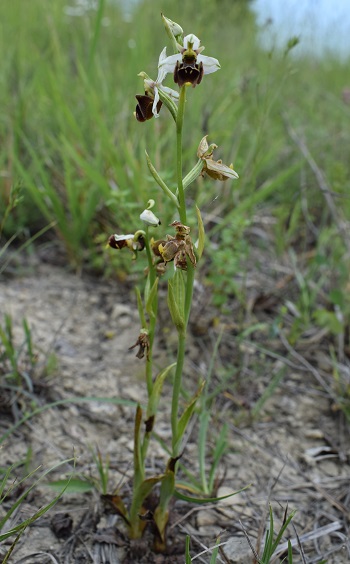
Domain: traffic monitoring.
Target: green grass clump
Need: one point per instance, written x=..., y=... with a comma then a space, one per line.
x=68, y=134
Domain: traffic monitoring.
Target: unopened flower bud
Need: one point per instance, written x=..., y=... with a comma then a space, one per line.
x=172, y=28
x=149, y=218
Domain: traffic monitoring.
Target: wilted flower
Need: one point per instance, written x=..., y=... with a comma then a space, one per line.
x=143, y=344
x=177, y=248
x=215, y=169
x=149, y=104
x=189, y=65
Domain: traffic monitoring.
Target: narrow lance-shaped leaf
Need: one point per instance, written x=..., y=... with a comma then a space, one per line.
x=176, y=299
x=188, y=559
x=215, y=552
x=161, y=514
x=203, y=500
x=140, y=493
x=161, y=182
x=186, y=416
x=157, y=389
x=151, y=298
x=138, y=463
x=145, y=488
x=24, y=524
x=117, y=503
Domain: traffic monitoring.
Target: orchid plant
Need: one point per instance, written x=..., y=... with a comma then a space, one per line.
x=174, y=251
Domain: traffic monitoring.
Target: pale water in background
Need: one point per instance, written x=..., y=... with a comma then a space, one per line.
x=323, y=26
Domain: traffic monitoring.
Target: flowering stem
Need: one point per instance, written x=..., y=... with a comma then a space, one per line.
x=179, y=125
x=181, y=347
x=153, y=318
x=176, y=440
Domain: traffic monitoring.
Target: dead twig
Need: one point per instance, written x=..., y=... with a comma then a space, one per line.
x=318, y=533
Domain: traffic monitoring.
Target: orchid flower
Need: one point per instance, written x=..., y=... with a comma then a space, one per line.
x=189, y=65
x=152, y=88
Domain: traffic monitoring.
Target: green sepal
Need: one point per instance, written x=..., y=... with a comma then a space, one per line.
x=186, y=416
x=157, y=389
x=169, y=102
x=201, y=233
x=152, y=299
x=176, y=299
x=193, y=174
x=161, y=182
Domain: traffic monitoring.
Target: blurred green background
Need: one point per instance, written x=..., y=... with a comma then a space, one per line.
x=73, y=153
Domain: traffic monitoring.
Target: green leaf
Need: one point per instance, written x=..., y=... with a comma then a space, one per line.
x=176, y=300
x=140, y=308
x=329, y=320
x=19, y=528
x=157, y=389
x=145, y=488
x=152, y=299
x=138, y=462
x=161, y=182
x=203, y=500
x=188, y=555
x=76, y=485
x=215, y=552
x=161, y=514
x=185, y=417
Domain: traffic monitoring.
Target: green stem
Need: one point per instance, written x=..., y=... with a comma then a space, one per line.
x=176, y=392
x=153, y=318
x=179, y=127
x=189, y=279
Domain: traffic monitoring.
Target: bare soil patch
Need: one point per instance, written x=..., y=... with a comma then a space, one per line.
x=296, y=450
